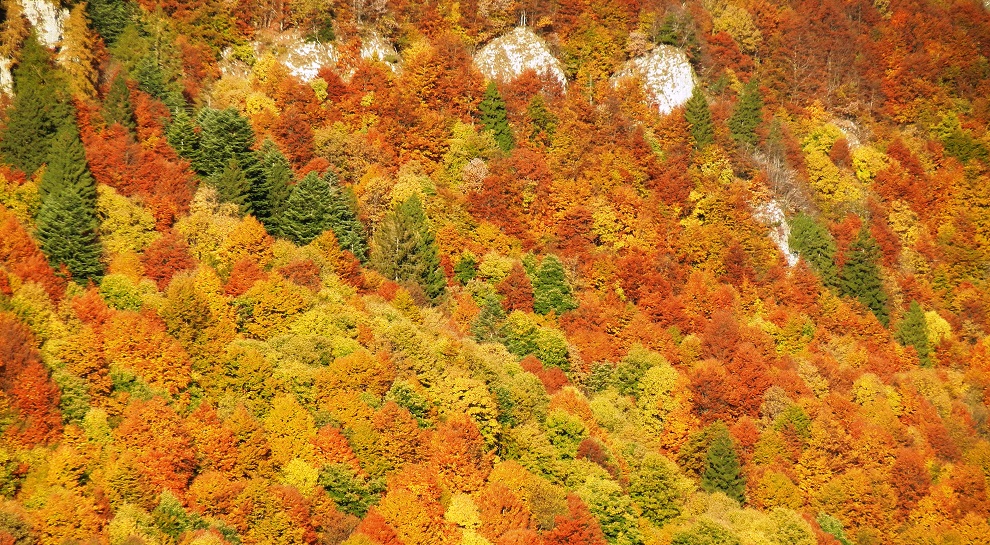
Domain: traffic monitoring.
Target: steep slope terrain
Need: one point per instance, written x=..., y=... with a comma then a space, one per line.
x=399, y=273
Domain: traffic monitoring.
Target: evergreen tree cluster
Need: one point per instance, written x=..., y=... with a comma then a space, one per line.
x=405, y=250
x=860, y=276
x=495, y=119
x=699, y=117
x=815, y=245
x=747, y=116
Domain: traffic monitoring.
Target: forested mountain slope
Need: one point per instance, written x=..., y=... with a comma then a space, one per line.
x=298, y=272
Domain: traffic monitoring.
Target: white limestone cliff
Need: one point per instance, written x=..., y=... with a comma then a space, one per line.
x=666, y=75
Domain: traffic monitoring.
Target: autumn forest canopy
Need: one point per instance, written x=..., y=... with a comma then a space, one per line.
x=306, y=272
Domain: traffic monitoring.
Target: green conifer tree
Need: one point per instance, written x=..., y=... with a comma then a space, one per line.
x=318, y=204
x=747, y=116
x=117, y=106
x=182, y=134
x=494, y=118
x=722, y=467
x=405, y=250
x=815, y=245
x=40, y=108
x=307, y=210
x=269, y=197
x=344, y=220
x=109, y=17
x=860, y=277
x=233, y=186
x=225, y=135
x=550, y=289
x=699, y=117
x=67, y=222
x=67, y=166
x=913, y=331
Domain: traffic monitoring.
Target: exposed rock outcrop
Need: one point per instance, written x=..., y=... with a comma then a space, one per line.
x=508, y=56
x=666, y=75
x=47, y=19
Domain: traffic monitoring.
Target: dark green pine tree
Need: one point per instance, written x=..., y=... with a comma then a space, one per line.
x=816, y=246
x=699, y=117
x=67, y=226
x=307, y=211
x=494, y=118
x=343, y=218
x=225, y=135
x=40, y=108
x=233, y=186
x=722, y=467
x=860, y=277
x=550, y=289
x=405, y=250
x=542, y=119
x=117, y=106
x=182, y=134
x=109, y=17
x=269, y=198
x=747, y=116
x=155, y=80
x=913, y=331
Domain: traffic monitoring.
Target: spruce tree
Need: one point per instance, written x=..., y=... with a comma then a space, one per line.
x=117, y=107
x=495, y=119
x=318, y=204
x=747, y=116
x=699, y=117
x=109, y=17
x=405, y=250
x=67, y=223
x=913, y=331
x=182, y=135
x=722, y=467
x=550, y=289
x=67, y=166
x=233, y=186
x=225, y=135
x=307, y=210
x=860, y=277
x=343, y=216
x=816, y=246
x=40, y=108
x=269, y=198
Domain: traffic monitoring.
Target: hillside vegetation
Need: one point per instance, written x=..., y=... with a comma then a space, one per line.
x=395, y=303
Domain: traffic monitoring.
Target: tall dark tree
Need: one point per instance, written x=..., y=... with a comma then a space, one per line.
x=117, y=107
x=860, y=277
x=225, y=135
x=233, y=186
x=722, y=467
x=67, y=223
x=913, y=331
x=182, y=134
x=307, y=210
x=40, y=108
x=495, y=119
x=551, y=291
x=405, y=250
x=109, y=17
x=747, y=116
x=269, y=198
x=699, y=117
x=815, y=245
x=318, y=204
